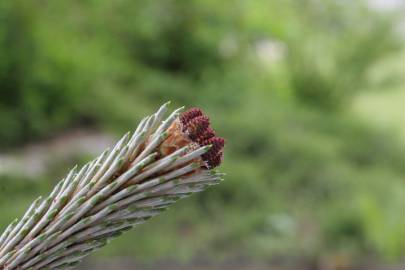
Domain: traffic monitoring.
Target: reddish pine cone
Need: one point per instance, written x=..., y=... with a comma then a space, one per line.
x=208, y=134
x=190, y=114
x=196, y=125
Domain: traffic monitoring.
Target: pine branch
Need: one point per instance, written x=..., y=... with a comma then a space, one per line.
x=142, y=175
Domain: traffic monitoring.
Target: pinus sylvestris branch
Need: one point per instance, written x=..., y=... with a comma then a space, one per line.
x=139, y=177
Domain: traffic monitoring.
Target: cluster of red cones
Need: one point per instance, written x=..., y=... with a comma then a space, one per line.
x=197, y=126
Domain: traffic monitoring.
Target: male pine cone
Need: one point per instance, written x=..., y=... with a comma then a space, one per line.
x=143, y=174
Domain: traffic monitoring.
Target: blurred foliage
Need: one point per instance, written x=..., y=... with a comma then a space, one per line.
x=305, y=176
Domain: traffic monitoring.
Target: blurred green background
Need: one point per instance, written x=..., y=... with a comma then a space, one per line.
x=308, y=93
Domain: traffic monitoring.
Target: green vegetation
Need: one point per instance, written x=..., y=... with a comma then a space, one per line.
x=306, y=175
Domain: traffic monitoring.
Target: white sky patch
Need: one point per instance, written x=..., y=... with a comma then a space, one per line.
x=387, y=5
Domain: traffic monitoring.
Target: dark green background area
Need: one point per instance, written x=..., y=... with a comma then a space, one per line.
x=308, y=177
